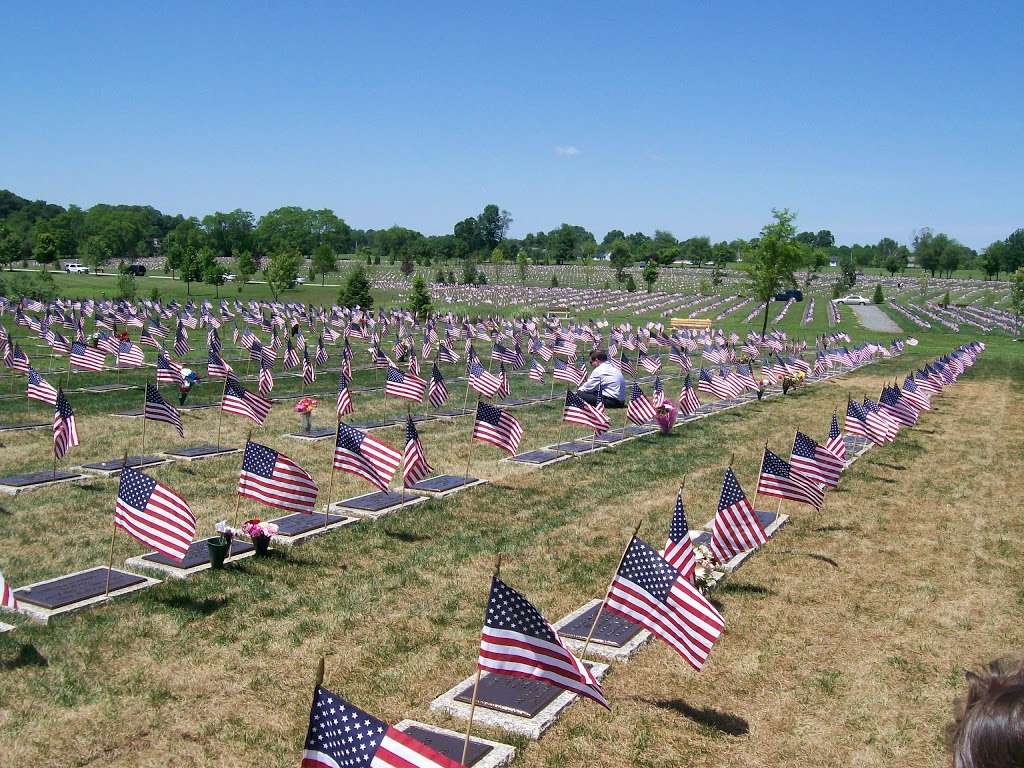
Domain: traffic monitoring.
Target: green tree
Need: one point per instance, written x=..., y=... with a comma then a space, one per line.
x=10, y=246
x=621, y=258
x=324, y=261
x=230, y=232
x=554, y=280
x=213, y=270
x=696, y=249
x=992, y=259
x=492, y=226
x=878, y=298
x=356, y=289
x=419, y=298
x=521, y=266
x=469, y=271
x=775, y=259
x=650, y=274
x=191, y=267
x=406, y=267
x=630, y=283
x=245, y=267
x=282, y=271
x=45, y=249
x=96, y=251
x=1017, y=297
x=125, y=285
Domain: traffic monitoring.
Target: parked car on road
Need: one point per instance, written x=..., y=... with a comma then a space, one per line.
x=135, y=269
x=229, y=277
x=853, y=298
x=793, y=293
x=74, y=268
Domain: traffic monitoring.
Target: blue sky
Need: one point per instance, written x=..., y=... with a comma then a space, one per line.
x=868, y=119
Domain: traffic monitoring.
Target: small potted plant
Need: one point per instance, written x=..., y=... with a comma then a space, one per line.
x=260, y=533
x=220, y=544
x=761, y=384
x=666, y=416
x=305, y=408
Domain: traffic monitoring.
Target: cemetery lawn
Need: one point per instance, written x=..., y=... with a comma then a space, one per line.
x=846, y=637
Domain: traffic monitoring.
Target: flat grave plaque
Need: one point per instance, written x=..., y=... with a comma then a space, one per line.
x=539, y=457
x=610, y=438
x=12, y=485
x=423, y=417
x=317, y=433
x=512, y=402
x=198, y=555
x=75, y=588
x=445, y=485
x=450, y=413
x=576, y=447
x=611, y=629
x=24, y=425
x=197, y=452
x=372, y=424
x=512, y=695
x=449, y=745
x=114, y=466
x=198, y=406
x=295, y=528
x=109, y=387
x=637, y=430
x=378, y=503
x=133, y=414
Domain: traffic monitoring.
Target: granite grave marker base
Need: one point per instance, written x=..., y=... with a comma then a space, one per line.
x=24, y=425
x=771, y=521
x=377, y=504
x=541, y=457
x=524, y=707
x=451, y=413
x=200, y=452
x=482, y=753
x=441, y=486
x=12, y=485
x=196, y=559
x=366, y=426
x=114, y=466
x=615, y=638
x=513, y=402
x=611, y=438
x=637, y=430
x=48, y=599
x=317, y=433
x=577, y=447
x=198, y=406
x=298, y=527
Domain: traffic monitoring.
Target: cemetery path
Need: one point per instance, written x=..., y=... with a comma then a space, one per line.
x=874, y=319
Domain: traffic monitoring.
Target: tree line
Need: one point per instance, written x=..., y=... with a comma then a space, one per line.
x=194, y=248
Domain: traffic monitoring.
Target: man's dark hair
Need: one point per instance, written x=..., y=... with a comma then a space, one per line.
x=988, y=731
x=598, y=354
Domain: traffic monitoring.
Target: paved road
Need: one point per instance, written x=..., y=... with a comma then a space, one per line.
x=874, y=319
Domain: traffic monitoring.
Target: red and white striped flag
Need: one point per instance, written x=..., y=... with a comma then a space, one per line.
x=494, y=426
x=154, y=514
x=273, y=479
x=361, y=454
x=414, y=462
x=7, y=599
x=736, y=527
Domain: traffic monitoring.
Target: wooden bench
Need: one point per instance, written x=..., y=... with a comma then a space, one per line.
x=562, y=314
x=695, y=323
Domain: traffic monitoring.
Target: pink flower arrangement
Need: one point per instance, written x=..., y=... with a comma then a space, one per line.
x=666, y=417
x=255, y=528
x=306, y=405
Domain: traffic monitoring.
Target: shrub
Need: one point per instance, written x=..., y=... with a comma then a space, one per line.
x=878, y=298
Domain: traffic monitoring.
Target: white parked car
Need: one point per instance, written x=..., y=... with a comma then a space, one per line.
x=74, y=268
x=853, y=298
x=229, y=277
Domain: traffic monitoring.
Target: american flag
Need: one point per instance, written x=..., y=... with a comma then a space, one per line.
x=517, y=641
x=815, y=462
x=639, y=410
x=167, y=371
x=779, y=480
x=649, y=591
x=308, y=370
x=437, y=392
x=361, y=454
x=835, y=443
x=502, y=354
x=659, y=392
x=578, y=411
x=414, y=365
x=216, y=368
x=689, y=402
x=414, y=463
x=898, y=407
x=158, y=409
x=483, y=381
x=181, y=347
x=650, y=363
x=407, y=386
x=915, y=395
x=505, y=389
x=321, y=352
x=567, y=373
x=343, y=736
x=154, y=514
x=494, y=426
x=273, y=479
x=736, y=527
x=885, y=422
x=344, y=402
x=856, y=423
x=65, y=432
x=536, y=372
x=7, y=599
x=86, y=358
x=39, y=388
x=266, y=378
x=129, y=355
x=626, y=366
x=240, y=401
x=291, y=356
x=679, y=548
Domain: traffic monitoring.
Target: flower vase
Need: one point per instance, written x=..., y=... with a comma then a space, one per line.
x=307, y=422
x=218, y=547
x=261, y=543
